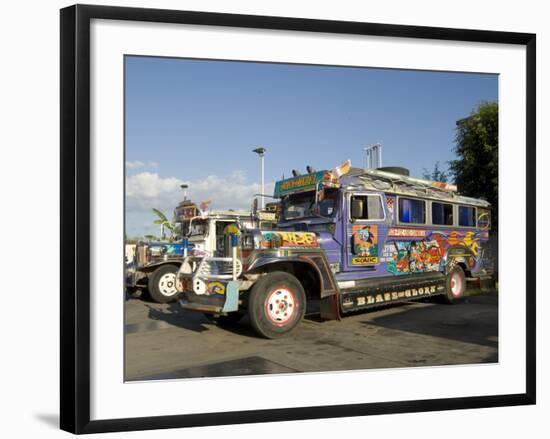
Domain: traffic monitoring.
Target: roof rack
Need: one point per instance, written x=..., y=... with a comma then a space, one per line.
x=372, y=179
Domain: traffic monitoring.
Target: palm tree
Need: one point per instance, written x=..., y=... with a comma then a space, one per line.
x=164, y=223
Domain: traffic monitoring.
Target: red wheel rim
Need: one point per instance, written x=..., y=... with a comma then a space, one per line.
x=457, y=285
x=280, y=306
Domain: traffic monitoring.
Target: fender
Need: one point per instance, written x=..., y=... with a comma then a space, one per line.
x=153, y=265
x=329, y=291
x=459, y=254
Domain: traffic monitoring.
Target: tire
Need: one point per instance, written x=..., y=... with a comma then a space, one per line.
x=276, y=305
x=162, y=284
x=455, y=285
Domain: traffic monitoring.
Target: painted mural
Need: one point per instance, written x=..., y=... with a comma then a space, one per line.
x=365, y=245
x=414, y=256
x=215, y=288
x=390, y=202
x=483, y=219
x=277, y=239
x=427, y=254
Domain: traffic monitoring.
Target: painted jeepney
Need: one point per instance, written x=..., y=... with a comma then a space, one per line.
x=200, y=233
x=351, y=239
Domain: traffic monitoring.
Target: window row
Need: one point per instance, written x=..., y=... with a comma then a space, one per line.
x=413, y=211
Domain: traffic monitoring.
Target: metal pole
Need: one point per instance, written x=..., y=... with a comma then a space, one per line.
x=261, y=152
x=263, y=182
x=234, y=255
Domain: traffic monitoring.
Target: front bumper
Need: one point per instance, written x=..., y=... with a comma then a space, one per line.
x=202, y=302
x=134, y=277
x=228, y=301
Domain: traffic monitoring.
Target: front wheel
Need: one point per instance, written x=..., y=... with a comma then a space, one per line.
x=162, y=284
x=455, y=285
x=276, y=304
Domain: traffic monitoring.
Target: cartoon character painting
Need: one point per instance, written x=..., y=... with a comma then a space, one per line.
x=365, y=244
x=415, y=257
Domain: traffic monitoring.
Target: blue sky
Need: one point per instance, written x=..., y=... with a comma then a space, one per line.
x=196, y=121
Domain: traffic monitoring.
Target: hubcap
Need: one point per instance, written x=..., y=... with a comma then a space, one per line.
x=456, y=285
x=167, y=284
x=280, y=305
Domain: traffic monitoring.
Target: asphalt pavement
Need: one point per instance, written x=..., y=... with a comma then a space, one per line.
x=163, y=341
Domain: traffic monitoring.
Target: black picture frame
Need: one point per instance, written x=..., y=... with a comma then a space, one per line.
x=75, y=217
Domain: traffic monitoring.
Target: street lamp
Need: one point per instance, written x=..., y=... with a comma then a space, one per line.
x=184, y=188
x=261, y=152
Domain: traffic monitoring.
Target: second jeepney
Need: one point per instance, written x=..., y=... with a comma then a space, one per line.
x=350, y=239
x=199, y=232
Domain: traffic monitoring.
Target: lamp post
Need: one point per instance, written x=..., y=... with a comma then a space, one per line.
x=261, y=152
x=184, y=188
x=185, y=240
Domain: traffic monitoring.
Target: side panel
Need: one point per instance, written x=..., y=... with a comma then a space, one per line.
x=378, y=249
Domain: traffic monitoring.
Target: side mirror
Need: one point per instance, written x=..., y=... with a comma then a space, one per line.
x=356, y=208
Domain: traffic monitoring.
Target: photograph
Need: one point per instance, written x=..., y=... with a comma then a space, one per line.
x=275, y=219
x=287, y=218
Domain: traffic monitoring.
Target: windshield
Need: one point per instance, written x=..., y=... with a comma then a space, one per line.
x=298, y=206
x=198, y=228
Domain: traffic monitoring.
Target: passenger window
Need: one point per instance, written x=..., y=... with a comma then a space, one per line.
x=466, y=216
x=412, y=211
x=442, y=214
x=366, y=207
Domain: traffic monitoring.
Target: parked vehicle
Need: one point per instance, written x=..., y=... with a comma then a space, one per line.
x=156, y=263
x=351, y=240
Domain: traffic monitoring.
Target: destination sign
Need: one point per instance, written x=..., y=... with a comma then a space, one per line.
x=302, y=183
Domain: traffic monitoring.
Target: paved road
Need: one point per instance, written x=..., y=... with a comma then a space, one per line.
x=164, y=341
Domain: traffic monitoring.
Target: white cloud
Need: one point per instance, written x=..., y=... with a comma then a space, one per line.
x=146, y=190
x=136, y=164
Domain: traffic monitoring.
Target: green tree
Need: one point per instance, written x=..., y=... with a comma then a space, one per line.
x=437, y=174
x=163, y=221
x=476, y=169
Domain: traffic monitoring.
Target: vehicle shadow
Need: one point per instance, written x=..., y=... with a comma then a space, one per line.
x=175, y=316
x=472, y=320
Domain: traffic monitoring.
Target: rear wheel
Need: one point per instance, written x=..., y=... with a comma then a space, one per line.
x=455, y=285
x=162, y=284
x=276, y=304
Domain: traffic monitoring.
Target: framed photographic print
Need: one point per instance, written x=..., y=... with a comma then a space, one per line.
x=275, y=218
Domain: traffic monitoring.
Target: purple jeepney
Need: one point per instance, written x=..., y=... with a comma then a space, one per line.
x=350, y=239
